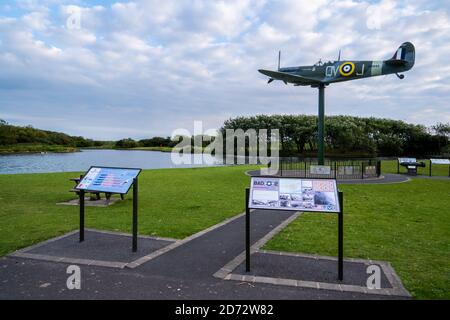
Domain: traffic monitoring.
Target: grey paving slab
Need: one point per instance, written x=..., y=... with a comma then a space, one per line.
x=98, y=246
x=33, y=279
x=307, y=269
x=184, y=272
x=91, y=203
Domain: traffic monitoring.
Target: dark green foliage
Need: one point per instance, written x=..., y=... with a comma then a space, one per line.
x=156, y=142
x=127, y=143
x=13, y=135
x=349, y=135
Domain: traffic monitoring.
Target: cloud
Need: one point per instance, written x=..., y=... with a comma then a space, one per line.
x=143, y=68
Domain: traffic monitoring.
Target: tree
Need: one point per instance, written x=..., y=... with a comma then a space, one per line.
x=155, y=142
x=346, y=134
x=126, y=143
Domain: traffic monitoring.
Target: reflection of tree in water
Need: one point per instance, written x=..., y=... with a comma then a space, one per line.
x=321, y=198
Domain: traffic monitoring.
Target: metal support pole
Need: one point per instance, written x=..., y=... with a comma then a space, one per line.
x=430, y=167
x=335, y=169
x=81, y=215
x=341, y=237
x=247, y=231
x=135, y=213
x=306, y=172
x=378, y=168
x=362, y=169
x=321, y=125
x=398, y=166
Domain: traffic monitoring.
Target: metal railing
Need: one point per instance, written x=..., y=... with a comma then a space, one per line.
x=332, y=169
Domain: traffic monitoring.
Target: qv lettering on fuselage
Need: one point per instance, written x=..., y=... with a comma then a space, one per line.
x=334, y=71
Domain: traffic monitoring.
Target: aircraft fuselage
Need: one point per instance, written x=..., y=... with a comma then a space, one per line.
x=337, y=71
x=321, y=74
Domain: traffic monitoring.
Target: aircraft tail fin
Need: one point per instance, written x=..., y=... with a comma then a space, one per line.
x=404, y=56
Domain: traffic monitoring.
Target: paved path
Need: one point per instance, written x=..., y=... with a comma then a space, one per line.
x=185, y=272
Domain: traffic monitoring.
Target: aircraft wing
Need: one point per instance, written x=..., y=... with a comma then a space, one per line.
x=288, y=77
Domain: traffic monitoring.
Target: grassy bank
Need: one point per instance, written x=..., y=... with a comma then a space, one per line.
x=35, y=148
x=407, y=224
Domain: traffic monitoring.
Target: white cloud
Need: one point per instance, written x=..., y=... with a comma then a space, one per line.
x=174, y=62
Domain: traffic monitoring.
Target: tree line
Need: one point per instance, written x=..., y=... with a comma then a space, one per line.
x=348, y=135
x=152, y=142
x=12, y=135
x=344, y=135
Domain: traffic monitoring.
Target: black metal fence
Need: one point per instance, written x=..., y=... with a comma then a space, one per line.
x=332, y=169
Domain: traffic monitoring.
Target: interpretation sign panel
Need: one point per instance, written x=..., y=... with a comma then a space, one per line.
x=318, y=169
x=108, y=179
x=440, y=161
x=319, y=195
x=407, y=160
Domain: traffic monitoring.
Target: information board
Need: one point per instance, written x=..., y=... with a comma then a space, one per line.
x=108, y=179
x=318, y=169
x=407, y=160
x=319, y=195
x=440, y=161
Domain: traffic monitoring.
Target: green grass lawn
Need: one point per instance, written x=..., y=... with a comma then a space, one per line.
x=407, y=224
x=172, y=203
x=390, y=166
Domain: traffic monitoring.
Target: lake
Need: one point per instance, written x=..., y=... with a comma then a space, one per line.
x=81, y=161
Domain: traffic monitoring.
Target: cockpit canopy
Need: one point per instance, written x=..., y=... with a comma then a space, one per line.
x=320, y=63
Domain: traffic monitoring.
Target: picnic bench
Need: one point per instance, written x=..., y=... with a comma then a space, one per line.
x=95, y=195
x=411, y=164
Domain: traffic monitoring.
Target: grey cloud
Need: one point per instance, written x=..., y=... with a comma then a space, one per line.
x=144, y=68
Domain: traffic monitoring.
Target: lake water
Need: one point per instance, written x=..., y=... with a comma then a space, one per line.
x=81, y=161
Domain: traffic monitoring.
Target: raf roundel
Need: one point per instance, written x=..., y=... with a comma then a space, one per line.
x=347, y=68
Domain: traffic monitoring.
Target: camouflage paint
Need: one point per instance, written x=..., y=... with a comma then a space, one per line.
x=338, y=71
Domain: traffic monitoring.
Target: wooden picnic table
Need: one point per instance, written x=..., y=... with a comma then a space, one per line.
x=94, y=193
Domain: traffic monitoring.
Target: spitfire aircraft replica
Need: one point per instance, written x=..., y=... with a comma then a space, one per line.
x=321, y=74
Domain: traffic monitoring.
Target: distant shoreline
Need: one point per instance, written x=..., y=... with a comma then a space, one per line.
x=36, y=149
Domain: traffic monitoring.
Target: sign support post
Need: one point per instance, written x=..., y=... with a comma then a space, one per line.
x=341, y=236
x=321, y=125
x=81, y=215
x=110, y=180
x=295, y=194
x=247, y=231
x=430, y=167
x=135, y=213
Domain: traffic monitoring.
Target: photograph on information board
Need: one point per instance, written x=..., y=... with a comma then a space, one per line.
x=294, y=194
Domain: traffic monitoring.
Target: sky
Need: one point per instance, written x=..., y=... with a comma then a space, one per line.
x=115, y=69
